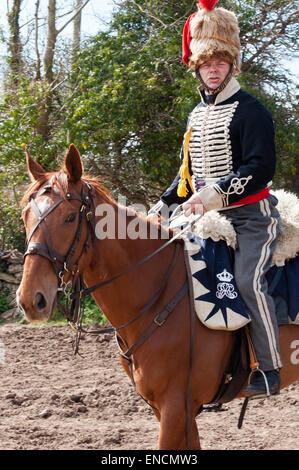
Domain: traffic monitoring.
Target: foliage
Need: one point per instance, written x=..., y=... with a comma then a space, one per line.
x=4, y=304
x=127, y=99
x=11, y=227
x=18, y=118
x=92, y=312
x=19, y=114
x=128, y=110
x=133, y=96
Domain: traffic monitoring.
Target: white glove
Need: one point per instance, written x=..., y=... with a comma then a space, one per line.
x=157, y=209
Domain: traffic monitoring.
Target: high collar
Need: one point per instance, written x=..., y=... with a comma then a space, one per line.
x=231, y=88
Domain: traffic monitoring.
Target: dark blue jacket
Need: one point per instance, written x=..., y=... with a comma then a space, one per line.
x=253, y=153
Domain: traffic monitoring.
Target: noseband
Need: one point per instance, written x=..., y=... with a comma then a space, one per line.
x=63, y=264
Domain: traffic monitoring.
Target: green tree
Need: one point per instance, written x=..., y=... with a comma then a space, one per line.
x=127, y=100
x=133, y=94
x=31, y=108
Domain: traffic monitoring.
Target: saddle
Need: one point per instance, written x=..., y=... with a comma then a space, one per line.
x=217, y=302
x=210, y=246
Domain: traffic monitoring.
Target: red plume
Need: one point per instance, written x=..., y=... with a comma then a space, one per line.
x=186, y=52
x=207, y=4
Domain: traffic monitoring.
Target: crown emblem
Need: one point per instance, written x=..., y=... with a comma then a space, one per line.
x=225, y=276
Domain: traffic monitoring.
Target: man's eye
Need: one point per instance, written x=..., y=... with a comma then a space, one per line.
x=70, y=218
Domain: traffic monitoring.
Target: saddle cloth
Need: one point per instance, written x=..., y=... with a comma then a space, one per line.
x=218, y=303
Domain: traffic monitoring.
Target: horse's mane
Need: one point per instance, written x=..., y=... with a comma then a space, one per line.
x=59, y=180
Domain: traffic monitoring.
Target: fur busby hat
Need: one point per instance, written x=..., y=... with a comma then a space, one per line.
x=211, y=33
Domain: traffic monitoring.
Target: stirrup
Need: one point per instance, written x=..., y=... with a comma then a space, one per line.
x=257, y=369
x=254, y=366
x=244, y=406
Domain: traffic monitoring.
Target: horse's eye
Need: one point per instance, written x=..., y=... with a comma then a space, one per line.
x=70, y=218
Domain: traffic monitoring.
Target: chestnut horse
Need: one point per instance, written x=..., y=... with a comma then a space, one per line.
x=161, y=364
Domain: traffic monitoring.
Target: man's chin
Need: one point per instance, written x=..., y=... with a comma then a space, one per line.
x=214, y=85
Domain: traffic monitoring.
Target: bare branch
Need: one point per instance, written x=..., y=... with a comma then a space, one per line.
x=38, y=62
x=76, y=31
x=147, y=13
x=72, y=18
x=265, y=45
x=150, y=14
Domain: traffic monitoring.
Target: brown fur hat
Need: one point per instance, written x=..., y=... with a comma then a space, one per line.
x=211, y=34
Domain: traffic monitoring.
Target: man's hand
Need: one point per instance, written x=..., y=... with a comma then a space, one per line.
x=194, y=205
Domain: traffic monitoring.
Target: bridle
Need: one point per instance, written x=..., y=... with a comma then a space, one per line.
x=64, y=264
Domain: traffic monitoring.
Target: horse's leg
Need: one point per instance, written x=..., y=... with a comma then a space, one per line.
x=195, y=436
x=156, y=413
x=173, y=428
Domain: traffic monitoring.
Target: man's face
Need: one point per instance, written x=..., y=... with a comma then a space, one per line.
x=213, y=72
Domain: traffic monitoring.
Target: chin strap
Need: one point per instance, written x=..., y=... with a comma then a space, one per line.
x=221, y=87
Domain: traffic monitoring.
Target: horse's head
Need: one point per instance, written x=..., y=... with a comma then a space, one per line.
x=58, y=215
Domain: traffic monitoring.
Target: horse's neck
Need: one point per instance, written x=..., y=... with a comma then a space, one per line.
x=121, y=299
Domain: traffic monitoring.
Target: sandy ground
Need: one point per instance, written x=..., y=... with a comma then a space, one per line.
x=51, y=399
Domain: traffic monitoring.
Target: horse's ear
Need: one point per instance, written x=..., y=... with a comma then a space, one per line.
x=35, y=170
x=73, y=166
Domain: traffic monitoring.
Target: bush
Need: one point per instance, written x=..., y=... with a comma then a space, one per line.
x=92, y=312
x=4, y=304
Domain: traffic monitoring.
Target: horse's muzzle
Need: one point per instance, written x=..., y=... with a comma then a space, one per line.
x=36, y=308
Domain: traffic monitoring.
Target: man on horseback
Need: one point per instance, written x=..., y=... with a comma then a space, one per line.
x=227, y=161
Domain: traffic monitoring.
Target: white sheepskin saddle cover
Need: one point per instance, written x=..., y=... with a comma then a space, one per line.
x=216, y=226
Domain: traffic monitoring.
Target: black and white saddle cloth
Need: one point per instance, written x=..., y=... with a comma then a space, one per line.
x=209, y=245
x=218, y=303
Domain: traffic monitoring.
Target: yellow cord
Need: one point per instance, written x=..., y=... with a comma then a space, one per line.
x=182, y=190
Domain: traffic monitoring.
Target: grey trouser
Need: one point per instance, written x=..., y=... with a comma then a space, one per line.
x=257, y=227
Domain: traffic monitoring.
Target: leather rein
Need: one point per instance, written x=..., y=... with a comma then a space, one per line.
x=74, y=313
x=73, y=309
x=63, y=264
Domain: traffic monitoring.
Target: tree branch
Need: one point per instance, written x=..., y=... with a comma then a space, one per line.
x=38, y=62
x=72, y=18
x=265, y=45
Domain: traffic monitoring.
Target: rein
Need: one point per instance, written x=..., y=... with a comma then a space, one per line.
x=63, y=264
x=78, y=294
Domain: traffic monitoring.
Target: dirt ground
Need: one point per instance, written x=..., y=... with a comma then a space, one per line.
x=51, y=399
